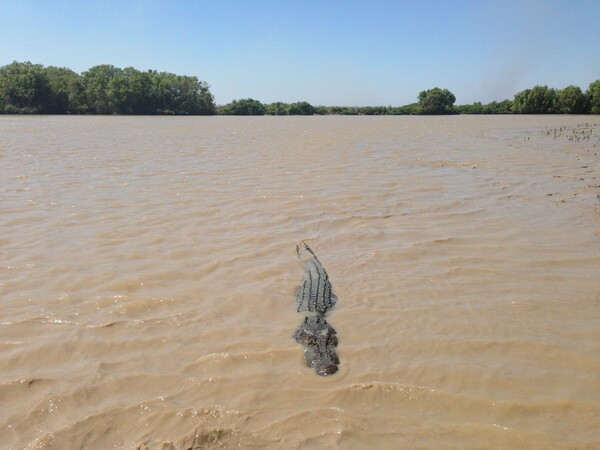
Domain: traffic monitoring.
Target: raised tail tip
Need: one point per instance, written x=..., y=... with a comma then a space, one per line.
x=304, y=251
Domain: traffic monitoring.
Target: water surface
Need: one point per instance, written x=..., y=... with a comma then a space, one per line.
x=148, y=276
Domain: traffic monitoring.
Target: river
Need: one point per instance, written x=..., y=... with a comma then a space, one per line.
x=148, y=277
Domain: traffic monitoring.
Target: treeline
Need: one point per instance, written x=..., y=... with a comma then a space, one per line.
x=27, y=88
x=543, y=100
x=538, y=100
x=252, y=107
x=503, y=107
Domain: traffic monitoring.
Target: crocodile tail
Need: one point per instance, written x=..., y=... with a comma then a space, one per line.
x=315, y=293
x=304, y=251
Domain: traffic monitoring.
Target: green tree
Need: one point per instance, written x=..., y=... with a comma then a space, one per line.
x=24, y=88
x=67, y=94
x=142, y=99
x=436, y=101
x=521, y=102
x=503, y=107
x=373, y=110
x=593, y=97
x=538, y=100
x=175, y=94
x=96, y=82
x=302, y=109
x=168, y=93
x=278, y=109
x=571, y=100
x=103, y=89
x=543, y=99
x=475, y=108
x=411, y=109
x=245, y=107
x=192, y=96
x=130, y=92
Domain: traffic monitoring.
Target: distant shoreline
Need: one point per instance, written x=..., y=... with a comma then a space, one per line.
x=288, y=115
x=27, y=88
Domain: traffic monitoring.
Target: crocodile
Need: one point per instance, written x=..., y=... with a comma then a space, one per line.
x=315, y=296
x=319, y=340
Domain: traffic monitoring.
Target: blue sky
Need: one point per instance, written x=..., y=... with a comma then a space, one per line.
x=325, y=52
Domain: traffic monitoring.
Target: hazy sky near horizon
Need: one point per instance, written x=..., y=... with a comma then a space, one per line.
x=324, y=52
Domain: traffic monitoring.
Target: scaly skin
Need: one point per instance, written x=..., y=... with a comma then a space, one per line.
x=319, y=340
x=315, y=296
x=315, y=293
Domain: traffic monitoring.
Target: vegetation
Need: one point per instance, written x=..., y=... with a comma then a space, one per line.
x=104, y=89
x=538, y=100
x=436, y=101
x=503, y=107
x=593, y=97
x=244, y=107
x=251, y=107
x=301, y=109
x=278, y=109
x=570, y=100
x=27, y=88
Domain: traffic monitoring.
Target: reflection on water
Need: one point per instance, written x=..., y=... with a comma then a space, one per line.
x=148, y=278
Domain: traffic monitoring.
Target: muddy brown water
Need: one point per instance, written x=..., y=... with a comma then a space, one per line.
x=148, y=276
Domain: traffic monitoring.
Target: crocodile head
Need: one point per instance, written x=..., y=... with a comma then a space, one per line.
x=319, y=340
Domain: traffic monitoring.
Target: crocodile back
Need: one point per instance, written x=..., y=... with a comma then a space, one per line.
x=315, y=293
